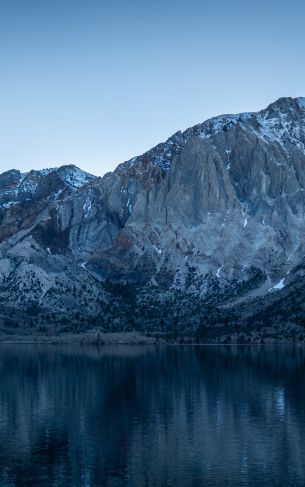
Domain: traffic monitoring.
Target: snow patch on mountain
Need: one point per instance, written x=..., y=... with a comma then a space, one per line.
x=74, y=176
x=301, y=102
x=280, y=285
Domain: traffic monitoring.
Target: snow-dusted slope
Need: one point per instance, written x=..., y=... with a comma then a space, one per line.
x=74, y=177
x=18, y=187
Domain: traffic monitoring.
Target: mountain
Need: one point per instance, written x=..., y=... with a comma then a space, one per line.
x=202, y=237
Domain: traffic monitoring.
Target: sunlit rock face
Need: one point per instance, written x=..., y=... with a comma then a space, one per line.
x=217, y=210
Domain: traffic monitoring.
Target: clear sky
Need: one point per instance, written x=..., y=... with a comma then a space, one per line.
x=95, y=83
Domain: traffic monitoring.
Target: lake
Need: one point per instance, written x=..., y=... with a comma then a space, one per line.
x=152, y=416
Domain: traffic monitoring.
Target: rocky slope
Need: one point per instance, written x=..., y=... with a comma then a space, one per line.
x=201, y=236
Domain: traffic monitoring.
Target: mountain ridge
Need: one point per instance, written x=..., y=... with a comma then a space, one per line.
x=182, y=240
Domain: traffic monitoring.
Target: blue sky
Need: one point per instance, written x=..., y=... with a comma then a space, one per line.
x=96, y=82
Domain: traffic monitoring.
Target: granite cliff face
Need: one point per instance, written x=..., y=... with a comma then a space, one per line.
x=203, y=232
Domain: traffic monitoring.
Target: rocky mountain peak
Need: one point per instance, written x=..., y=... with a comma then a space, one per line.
x=286, y=105
x=282, y=119
x=18, y=187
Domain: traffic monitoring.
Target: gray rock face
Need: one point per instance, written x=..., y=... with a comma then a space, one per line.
x=202, y=214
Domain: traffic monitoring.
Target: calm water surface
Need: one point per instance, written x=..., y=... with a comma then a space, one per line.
x=137, y=416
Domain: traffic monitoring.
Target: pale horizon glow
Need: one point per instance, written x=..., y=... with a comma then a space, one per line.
x=96, y=83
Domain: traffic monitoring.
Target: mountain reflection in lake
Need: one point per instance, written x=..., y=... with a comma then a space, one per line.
x=137, y=416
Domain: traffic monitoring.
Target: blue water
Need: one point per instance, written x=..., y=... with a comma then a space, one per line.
x=149, y=416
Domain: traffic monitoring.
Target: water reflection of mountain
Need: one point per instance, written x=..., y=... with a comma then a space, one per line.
x=152, y=416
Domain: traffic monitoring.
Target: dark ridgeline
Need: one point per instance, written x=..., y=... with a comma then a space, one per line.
x=152, y=416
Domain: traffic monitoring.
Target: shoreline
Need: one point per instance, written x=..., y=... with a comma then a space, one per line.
x=128, y=338
x=123, y=338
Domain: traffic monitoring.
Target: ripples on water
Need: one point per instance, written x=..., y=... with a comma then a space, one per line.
x=137, y=416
